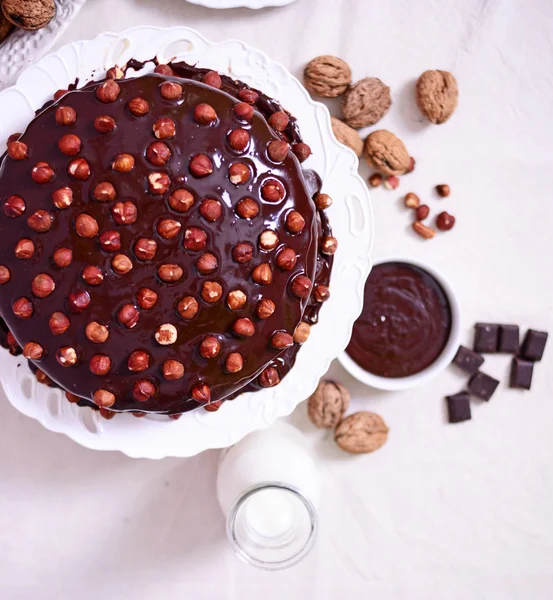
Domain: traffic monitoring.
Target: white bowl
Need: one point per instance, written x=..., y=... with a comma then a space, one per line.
x=443, y=360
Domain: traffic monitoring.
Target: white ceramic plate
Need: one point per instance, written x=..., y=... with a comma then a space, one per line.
x=240, y=3
x=350, y=217
x=22, y=48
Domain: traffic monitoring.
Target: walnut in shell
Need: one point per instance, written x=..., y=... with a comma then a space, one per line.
x=327, y=405
x=327, y=76
x=366, y=102
x=361, y=432
x=347, y=135
x=386, y=153
x=437, y=95
x=5, y=26
x=29, y=14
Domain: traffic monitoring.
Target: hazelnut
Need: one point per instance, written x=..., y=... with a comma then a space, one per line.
x=166, y=334
x=265, y=308
x=279, y=120
x=278, y=150
x=108, y=91
x=66, y=115
x=243, y=111
x=40, y=221
x=321, y=293
x=213, y=79
x=67, y=356
x=301, y=333
x=286, y=259
x=168, y=228
x=248, y=95
x=281, y=340
x=239, y=139
x=200, y=165
x=124, y=213
x=158, y=183
x=79, y=169
x=99, y=364
x=86, y=226
x=181, y=200
x=121, y=264
x=302, y=151
x=104, y=124
x=138, y=107
x=323, y=201
x=411, y=166
x=63, y=198
x=268, y=240
x=115, y=73
x=204, y=114
x=172, y=370
x=211, y=209
x=14, y=207
x=92, y=275
x=210, y=347
x=164, y=128
x=5, y=274
x=143, y=390
x=42, y=378
x=188, y=307
x=72, y=398
x=104, y=398
x=42, y=285
x=211, y=291
x=23, y=308
x=138, y=361
x=104, y=192
x=123, y=163
x=24, y=249
x=423, y=230
x=70, y=144
x=329, y=245
x=170, y=90
x=195, y=239
x=17, y=150
x=301, y=287
x=239, y=173
x=12, y=343
x=145, y=248
x=375, y=180
x=110, y=241
x=443, y=190
x=269, y=377
x=128, y=316
x=236, y=299
x=294, y=222
x=78, y=301
x=207, y=263
x=422, y=212
x=170, y=273
x=146, y=298
x=42, y=173
x=33, y=351
x=96, y=332
x=242, y=253
x=445, y=221
x=58, y=323
x=391, y=182
x=243, y=327
x=263, y=274
x=272, y=190
x=164, y=70
x=234, y=362
x=247, y=208
x=411, y=200
x=158, y=154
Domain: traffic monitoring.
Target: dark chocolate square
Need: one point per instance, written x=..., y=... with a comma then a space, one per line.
x=486, y=337
x=509, y=339
x=458, y=407
x=534, y=344
x=482, y=385
x=468, y=360
x=521, y=373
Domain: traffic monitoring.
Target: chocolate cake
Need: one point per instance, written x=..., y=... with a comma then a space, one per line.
x=162, y=247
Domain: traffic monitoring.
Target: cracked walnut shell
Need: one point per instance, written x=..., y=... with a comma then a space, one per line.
x=327, y=76
x=361, y=432
x=29, y=14
x=437, y=95
x=327, y=405
x=386, y=153
x=347, y=135
x=366, y=102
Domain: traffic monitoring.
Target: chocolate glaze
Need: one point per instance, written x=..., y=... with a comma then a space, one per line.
x=99, y=150
x=405, y=322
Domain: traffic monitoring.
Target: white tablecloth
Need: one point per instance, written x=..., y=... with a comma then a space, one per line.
x=442, y=511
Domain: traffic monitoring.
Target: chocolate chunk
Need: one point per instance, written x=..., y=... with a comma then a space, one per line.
x=486, y=336
x=521, y=373
x=458, y=407
x=509, y=339
x=468, y=360
x=482, y=385
x=534, y=344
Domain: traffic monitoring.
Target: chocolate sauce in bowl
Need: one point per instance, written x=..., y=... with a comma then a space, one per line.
x=405, y=322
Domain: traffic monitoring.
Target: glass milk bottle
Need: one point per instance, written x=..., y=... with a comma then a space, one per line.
x=269, y=488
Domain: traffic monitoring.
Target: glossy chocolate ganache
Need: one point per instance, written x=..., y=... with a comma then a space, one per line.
x=405, y=322
x=162, y=247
